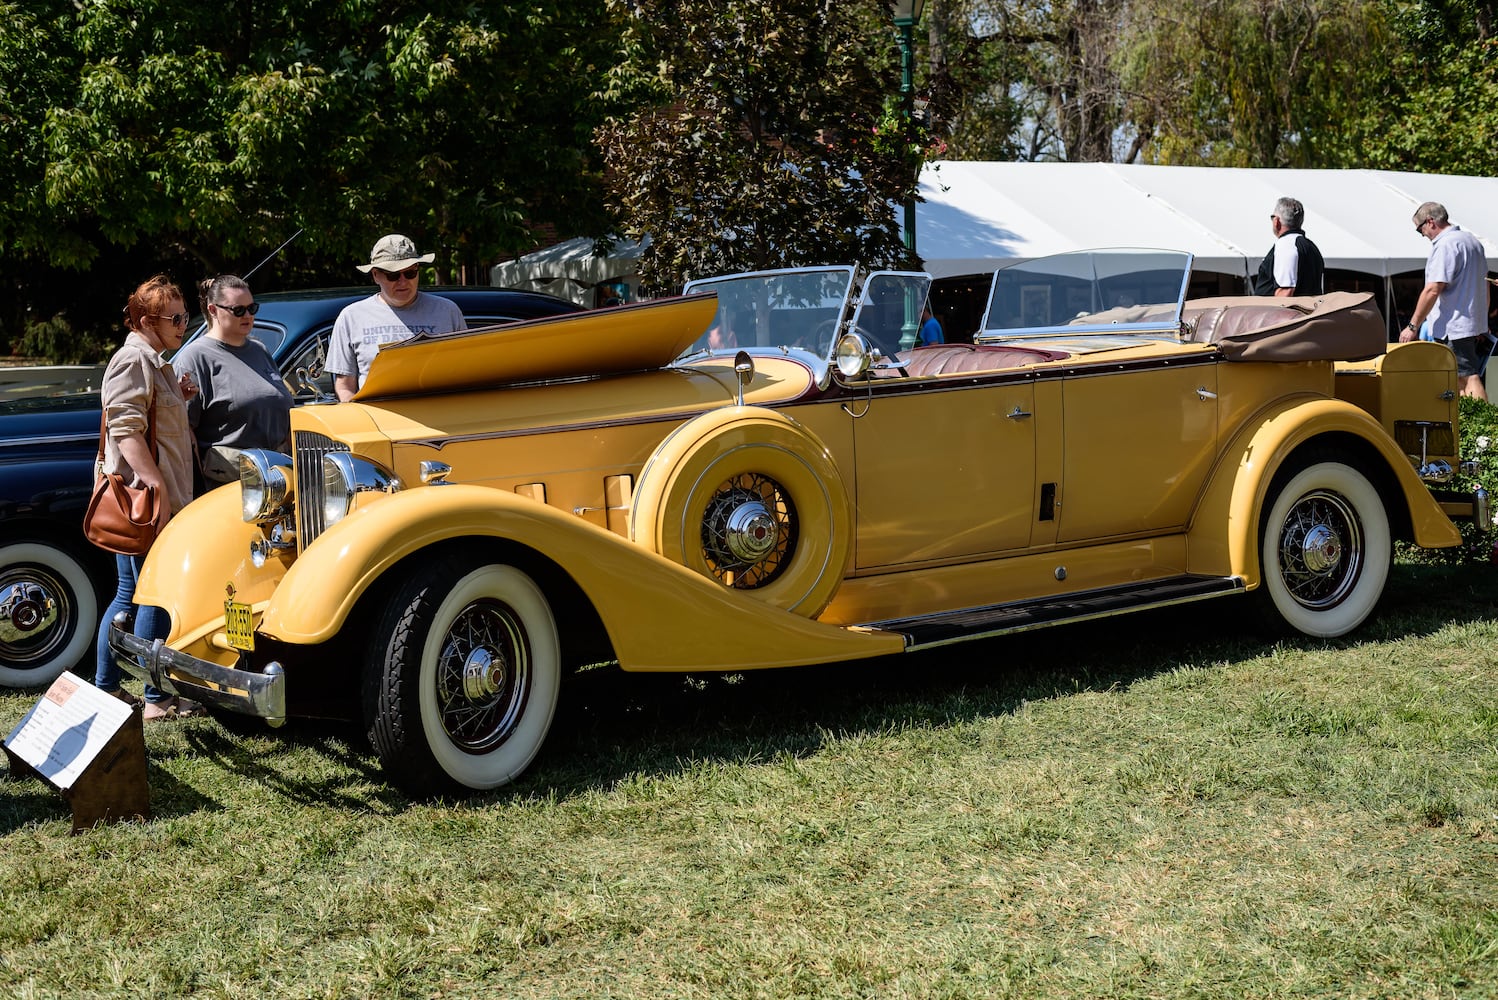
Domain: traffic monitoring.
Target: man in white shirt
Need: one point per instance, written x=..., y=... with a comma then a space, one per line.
x=1455, y=296
x=396, y=312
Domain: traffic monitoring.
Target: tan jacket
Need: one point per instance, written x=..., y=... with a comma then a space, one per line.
x=135, y=376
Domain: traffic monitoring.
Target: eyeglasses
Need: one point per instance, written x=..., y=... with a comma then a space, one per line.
x=1420, y=227
x=238, y=311
x=409, y=272
x=176, y=319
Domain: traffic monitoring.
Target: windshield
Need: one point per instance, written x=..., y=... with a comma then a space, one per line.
x=803, y=309
x=1112, y=291
x=796, y=309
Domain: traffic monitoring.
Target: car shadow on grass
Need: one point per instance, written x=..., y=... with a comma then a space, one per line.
x=614, y=726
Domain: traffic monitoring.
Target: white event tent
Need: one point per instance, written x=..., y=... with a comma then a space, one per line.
x=573, y=271
x=977, y=216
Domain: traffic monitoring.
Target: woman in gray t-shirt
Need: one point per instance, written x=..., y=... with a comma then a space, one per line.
x=242, y=401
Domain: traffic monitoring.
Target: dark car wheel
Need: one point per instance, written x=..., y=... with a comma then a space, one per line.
x=463, y=678
x=49, y=612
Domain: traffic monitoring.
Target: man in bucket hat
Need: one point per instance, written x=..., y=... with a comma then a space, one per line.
x=396, y=312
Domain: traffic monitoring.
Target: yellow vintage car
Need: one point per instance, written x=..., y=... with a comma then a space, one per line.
x=764, y=472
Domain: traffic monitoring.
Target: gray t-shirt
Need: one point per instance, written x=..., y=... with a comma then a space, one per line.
x=1457, y=258
x=242, y=400
x=364, y=326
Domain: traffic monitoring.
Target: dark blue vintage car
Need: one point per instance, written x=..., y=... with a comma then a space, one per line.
x=53, y=584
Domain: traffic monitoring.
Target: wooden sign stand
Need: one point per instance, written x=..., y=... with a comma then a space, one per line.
x=88, y=746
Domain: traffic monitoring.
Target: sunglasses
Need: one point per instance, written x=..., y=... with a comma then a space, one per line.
x=410, y=272
x=1421, y=227
x=176, y=319
x=239, y=311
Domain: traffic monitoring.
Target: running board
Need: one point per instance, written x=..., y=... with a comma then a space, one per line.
x=927, y=631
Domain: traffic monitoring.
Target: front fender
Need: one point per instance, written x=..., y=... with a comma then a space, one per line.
x=659, y=615
x=1223, y=538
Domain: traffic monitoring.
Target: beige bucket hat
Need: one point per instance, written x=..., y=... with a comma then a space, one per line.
x=395, y=253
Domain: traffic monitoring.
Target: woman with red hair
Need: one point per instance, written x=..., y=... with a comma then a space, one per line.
x=140, y=391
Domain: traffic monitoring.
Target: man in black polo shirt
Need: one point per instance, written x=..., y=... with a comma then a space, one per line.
x=1293, y=265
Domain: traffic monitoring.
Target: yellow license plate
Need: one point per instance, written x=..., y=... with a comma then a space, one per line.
x=239, y=623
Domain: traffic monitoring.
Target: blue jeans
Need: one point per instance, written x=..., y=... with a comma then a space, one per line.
x=150, y=623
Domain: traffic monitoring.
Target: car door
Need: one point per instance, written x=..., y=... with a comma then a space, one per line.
x=943, y=473
x=1138, y=439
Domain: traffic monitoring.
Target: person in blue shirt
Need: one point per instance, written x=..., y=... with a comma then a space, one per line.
x=930, y=332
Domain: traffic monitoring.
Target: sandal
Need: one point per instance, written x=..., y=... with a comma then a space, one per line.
x=175, y=707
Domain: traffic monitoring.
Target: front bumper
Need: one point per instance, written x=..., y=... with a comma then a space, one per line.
x=242, y=691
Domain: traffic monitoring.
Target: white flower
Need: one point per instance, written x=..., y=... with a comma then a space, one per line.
x=1483, y=441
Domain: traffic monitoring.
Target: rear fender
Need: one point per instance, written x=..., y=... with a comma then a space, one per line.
x=1224, y=534
x=659, y=615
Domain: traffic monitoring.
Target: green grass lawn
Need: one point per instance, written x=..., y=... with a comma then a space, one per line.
x=1156, y=806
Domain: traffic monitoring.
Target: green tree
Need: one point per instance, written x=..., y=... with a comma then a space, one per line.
x=1251, y=83
x=1438, y=110
x=163, y=133
x=771, y=137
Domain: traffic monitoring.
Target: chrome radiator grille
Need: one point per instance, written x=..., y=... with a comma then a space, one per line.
x=309, y=448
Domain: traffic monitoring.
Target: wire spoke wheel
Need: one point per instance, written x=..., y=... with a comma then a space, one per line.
x=463, y=679
x=483, y=675
x=1321, y=549
x=749, y=531
x=1325, y=547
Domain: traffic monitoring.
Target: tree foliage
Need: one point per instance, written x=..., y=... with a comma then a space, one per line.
x=767, y=138
x=197, y=137
x=1401, y=84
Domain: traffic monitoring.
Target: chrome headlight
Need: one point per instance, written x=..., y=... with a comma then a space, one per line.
x=344, y=477
x=264, y=484
x=854, y=355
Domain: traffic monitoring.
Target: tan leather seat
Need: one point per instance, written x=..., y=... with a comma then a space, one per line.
x=946, y=359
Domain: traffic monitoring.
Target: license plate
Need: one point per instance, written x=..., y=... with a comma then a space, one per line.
x=239, y=623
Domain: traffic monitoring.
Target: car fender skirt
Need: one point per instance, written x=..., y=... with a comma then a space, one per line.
x=1223, y=536
x=659, y=615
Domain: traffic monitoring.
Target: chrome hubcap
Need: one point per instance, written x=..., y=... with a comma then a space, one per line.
x=751, y=532
x=483, y=675
x=1321, y=549
x=34, y=607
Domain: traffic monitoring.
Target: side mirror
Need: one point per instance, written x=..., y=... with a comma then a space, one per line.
x=743, y=370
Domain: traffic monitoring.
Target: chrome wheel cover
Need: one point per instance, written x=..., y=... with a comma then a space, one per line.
x=483, y=676
x=35, y=608
x=749, y=531
x=1320, y=550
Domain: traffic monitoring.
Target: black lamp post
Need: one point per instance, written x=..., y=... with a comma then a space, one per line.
x=907, y=13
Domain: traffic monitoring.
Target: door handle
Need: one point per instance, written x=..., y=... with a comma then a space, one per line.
x=1204, y=394
x=1019, y=414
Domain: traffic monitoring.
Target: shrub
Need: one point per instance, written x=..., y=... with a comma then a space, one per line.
x=55, y=340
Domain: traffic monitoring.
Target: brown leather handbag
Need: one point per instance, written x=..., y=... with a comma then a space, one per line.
x=121, y=518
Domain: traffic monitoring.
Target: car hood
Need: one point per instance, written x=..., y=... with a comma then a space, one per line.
x=641, y=337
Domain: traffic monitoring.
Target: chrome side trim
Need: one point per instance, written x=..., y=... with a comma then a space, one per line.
x=48, y=439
